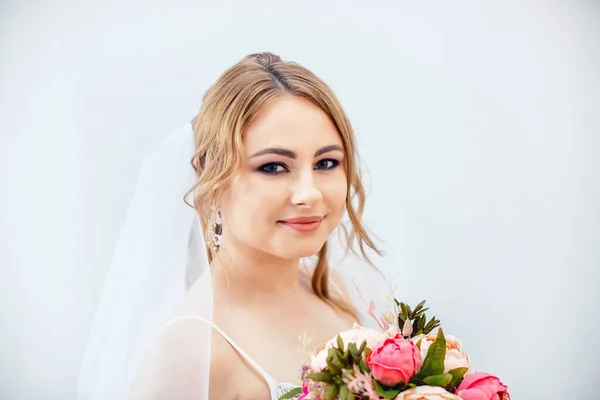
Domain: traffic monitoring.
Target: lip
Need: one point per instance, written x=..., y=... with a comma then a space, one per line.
x=303, y=224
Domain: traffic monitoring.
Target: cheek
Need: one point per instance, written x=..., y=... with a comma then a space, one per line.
x=249, y=203
x=335, y=192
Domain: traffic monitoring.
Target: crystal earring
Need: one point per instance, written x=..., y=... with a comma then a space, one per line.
x=216, y=232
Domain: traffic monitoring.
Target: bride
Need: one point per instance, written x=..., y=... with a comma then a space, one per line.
x=277, y=195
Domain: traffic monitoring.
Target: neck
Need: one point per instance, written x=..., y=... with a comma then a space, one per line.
x=251, y=271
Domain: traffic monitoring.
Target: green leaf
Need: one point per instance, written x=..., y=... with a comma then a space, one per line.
x=420, y=305
x=362, y=350
x=457, y=376
x=438, y=380
x=362, y=347
x=338, y=380
x=419, y=344
x=331, y=392
x=420, y=312
x=343, y=392
x=350, y=396
x=416, y=323
x=325, y=377
x=385, y=393
x=353, y=351
x=434, y=361
x=340, y=342
x=405, y=311
x=346, y=358
x=334, y=363
x=291, y=394
x=431, y=325
x=367, y=352
x=362, y=367
x=421, y=324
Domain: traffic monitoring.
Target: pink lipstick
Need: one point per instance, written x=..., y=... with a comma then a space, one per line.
x=303, y=224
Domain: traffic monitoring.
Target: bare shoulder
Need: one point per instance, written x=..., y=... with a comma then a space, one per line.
x=174, y=364
x=179, y=356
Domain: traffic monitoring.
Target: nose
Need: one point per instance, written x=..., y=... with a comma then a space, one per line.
x=305, y=191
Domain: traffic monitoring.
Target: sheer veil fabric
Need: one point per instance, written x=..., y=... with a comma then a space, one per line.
x=160, y=257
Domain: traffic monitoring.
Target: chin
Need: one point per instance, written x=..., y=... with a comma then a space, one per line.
x=301, y=249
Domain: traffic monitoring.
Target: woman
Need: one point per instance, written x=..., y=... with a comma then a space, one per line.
x=276, y=167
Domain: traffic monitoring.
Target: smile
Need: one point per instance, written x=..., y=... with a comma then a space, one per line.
x=304, y=225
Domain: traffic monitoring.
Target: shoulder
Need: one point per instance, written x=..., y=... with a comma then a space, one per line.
x=175, y=362
x=178, y=359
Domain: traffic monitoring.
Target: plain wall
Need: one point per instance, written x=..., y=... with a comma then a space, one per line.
x=478, y=125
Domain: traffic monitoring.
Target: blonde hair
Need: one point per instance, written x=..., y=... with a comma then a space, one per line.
x=228, y=109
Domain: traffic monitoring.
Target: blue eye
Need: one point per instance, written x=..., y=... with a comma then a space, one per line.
x=273, y=168
x=327, y=164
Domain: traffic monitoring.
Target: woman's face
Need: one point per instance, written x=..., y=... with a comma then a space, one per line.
x=291, y=192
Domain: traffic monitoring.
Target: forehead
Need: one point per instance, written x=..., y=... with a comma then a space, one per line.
x=291, y=122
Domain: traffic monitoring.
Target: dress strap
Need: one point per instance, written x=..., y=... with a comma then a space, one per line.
x=268, y=378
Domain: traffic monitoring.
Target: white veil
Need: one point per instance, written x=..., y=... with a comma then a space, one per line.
x=159, y=255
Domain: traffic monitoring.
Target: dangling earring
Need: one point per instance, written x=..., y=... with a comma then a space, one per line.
x=216, y=232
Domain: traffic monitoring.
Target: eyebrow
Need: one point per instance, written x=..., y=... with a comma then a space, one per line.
x=290, y=154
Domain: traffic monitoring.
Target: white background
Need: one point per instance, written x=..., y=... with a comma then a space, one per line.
x=478, y=124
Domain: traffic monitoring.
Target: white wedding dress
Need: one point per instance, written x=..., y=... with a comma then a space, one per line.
x=160, y=253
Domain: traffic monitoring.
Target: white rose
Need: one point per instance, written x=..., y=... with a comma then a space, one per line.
x=318, y=359
x=357, y=335
x=427, y=393
x=455, y=356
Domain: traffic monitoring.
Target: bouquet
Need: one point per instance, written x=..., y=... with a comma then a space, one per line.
x=404, y=360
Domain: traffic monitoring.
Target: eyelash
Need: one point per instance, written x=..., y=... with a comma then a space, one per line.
x=263, y=168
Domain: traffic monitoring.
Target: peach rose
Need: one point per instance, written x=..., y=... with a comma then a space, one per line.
x=394, y=360
x=357, y=335
x=455, y=356
x=427, y=393
x=482, y=386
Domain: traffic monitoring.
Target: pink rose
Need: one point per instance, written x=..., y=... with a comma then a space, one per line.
x=482, y=386
x=394, y=360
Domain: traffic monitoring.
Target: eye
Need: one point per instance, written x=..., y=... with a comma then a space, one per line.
x=327, y=164
x=273, y=168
